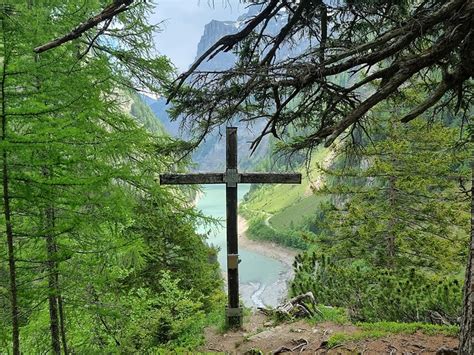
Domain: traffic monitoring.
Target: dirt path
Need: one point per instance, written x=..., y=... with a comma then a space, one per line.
x=272, y=250
x=259, y=335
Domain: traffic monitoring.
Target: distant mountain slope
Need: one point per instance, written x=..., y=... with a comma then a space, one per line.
x=210, y=155
x=158, y=108
x=285, y=207
x=213, y=31
x=145, y=115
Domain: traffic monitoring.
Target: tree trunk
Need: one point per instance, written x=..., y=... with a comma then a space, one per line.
x=62, y=322
x=11, y=260
x=466, y=336
x=51, y=252
x=390, y=233
x=62, y=318
x=52, y=297
x=7, y=216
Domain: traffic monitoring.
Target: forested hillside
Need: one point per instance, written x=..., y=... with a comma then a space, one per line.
x=93, y=256
x=394, y=227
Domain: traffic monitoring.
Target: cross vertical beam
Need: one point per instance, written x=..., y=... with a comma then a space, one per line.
x=234, y=311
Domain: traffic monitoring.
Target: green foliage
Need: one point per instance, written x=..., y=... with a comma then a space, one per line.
x=330, y=314
x=410, y=328
x=92, y=229
x=144, y=115
x=397, y=203
x=375, y=294
x=259, y=230
x=279, y=212
x=172, y=319
x=389, y=242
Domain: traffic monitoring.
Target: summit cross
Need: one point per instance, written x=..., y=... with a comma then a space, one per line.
x=231, y=177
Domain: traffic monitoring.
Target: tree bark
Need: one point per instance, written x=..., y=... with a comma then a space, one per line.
x=7, y=216
x=466, y=336
x=53, y=291
x=51, y=266
x=390, y=236
x=62, y=321
x=11, y=259
x=112, y=10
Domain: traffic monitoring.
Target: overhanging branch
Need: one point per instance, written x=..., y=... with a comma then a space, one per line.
x=112, y=10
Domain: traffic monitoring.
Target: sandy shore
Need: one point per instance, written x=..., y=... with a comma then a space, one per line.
x=259, y=295
x=272, y=250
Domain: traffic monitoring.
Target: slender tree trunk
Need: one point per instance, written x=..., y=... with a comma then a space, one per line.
x=7, y=216
x=53, y=289
x=62, y=318
x=52, y=298
x=390, y=234
x=11, y=259
x=466, y=336
x=62, y=321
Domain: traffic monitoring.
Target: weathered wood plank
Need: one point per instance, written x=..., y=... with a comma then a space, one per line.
x=231, y=222
x=275, y=178
x=196, y=178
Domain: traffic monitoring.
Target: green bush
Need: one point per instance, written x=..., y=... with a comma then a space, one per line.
x=173, y=319
x=375, y=294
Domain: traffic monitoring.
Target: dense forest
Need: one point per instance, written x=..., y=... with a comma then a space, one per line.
x=94, y=253
x=370, y=100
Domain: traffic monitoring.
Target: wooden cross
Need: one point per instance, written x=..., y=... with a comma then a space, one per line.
x=231, y=178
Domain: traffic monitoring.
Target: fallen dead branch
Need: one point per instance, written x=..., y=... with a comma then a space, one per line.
x=301, y=344
x=302, y=306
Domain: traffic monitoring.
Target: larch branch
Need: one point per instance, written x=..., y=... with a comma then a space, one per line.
x=117, y=7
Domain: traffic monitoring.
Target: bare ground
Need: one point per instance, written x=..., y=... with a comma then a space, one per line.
x=259, y=334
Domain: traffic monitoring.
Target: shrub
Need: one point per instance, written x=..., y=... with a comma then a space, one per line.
x=375, y=294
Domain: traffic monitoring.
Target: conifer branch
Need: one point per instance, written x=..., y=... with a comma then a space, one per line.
x=112, y=10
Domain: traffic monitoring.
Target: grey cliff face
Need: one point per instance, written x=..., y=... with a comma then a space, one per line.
x=211, y=153
x=213, y=31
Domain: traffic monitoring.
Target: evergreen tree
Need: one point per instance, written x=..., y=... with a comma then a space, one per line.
x=89, y=236
x=391, y=243
x=398, y=201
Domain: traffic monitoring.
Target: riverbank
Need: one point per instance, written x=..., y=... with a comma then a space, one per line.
x=269, y=249
x=266, y=295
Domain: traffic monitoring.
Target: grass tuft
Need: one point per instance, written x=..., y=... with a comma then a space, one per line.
x=331, y=314
x=382, y=329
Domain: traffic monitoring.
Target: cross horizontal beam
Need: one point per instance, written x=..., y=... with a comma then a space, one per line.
x=197, y=178
x=220, y=178
x=276, y=178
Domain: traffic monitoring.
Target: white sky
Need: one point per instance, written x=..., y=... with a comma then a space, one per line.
x=184, y=22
